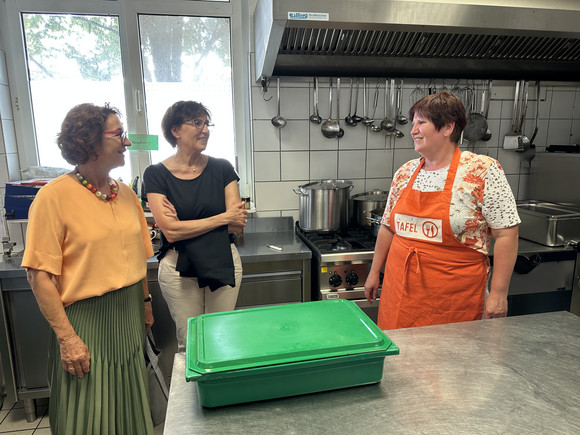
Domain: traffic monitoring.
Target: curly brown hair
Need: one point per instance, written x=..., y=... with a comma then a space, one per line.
x=179, y=113
x=81, y=132
x=441, y=109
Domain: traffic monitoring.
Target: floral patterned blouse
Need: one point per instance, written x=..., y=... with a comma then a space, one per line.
x=482, y=198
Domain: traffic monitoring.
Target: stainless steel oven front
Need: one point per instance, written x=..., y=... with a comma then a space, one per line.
x=343, y=276
x=341, y=262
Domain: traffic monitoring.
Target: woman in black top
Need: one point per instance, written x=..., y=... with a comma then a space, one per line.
x=196, y=203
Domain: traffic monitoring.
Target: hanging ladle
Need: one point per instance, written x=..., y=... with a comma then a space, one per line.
x=278, y=121
x=340, y=130
x=401, y=119
x=355, y=117
x=330, y=127
x=349, y=119
x=375, y=128
x=386, y=123
x=365, y=120
x=315, y=117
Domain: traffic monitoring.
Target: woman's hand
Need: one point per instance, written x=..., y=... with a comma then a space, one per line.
x=169, y=209
x=382, y=246
x=74, y=355
x=496, y=306
x=237, y=215
x=148, y=315
x=372, y=287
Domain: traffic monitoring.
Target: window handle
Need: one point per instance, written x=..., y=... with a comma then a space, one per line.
x=138, y=104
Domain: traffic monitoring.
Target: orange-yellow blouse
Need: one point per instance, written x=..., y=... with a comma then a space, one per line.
x=91, y=246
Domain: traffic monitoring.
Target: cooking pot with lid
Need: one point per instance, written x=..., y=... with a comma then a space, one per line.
x=324, y=205
x=366, y=202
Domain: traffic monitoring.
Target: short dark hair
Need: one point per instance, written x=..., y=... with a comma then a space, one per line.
x=179, y=113
x=442, y=108
x=81, y=132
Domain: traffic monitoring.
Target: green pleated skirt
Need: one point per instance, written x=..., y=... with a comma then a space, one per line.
x=113, y=397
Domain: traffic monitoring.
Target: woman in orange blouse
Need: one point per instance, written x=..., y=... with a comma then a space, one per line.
x=87, y=244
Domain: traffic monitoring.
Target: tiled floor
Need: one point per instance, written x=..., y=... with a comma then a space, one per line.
x=13, y=420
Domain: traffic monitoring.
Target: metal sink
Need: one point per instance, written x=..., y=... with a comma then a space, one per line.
x=547, y=223
x=548, y=208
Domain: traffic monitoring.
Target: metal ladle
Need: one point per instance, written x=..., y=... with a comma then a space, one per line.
x=330, y=127
x=315, y=117
x=340, y=130
x=278, y=121
x=525, y=141
x=386, y=123
x=395, y=133
x=355, y=117
x=375, y=128
x=365, y=120
x=349, y=119
x=401, y=119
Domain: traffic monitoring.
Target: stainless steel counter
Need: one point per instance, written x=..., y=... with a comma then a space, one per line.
x=512, y=375
x=253, y=247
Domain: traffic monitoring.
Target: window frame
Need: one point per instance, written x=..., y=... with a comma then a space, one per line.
x=134, y=118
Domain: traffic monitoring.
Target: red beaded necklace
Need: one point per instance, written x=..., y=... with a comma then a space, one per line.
x=98, y=193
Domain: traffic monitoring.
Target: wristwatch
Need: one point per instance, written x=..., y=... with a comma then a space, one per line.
x=148, y=298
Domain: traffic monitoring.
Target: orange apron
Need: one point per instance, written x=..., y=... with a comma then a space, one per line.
x=430, y=277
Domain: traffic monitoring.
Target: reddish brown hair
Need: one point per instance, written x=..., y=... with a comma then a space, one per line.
x=81, y=132
x=441, y=109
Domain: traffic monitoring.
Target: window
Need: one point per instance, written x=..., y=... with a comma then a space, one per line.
x=66, y=52
x=71, y=59
x=196, y=67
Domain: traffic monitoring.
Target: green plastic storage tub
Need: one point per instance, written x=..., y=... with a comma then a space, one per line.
x=283, y=350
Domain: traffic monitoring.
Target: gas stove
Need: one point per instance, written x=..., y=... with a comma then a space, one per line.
x=340, y=263
x=350, y=244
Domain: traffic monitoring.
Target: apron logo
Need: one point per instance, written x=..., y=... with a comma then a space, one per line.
x=430, y=229
x=414, y=227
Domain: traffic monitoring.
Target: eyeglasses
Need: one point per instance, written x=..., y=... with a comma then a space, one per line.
x=198, y=123
x=121, y=133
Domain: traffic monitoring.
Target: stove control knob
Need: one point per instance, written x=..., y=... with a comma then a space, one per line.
x=335, y=280
x=352, y=278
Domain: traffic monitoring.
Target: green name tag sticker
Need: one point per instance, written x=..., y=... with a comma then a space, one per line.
x=144, y=142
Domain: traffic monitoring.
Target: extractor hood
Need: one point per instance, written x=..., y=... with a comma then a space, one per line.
x=511, y=39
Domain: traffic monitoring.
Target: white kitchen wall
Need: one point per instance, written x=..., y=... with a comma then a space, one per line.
x=298, y=153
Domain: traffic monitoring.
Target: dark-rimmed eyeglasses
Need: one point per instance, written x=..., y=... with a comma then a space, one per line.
x=199, y=124
x=121, y=133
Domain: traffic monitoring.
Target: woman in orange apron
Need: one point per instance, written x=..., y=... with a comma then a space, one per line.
x=432, y=277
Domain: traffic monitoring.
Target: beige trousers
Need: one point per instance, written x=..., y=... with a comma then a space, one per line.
x=186, y=299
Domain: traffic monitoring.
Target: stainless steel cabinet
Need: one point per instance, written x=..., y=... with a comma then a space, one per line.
x=23, y=344
x=272, y=282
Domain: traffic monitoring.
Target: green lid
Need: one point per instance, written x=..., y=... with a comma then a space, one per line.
x=280, y=334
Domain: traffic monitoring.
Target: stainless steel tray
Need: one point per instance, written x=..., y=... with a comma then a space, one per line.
x=549, y=223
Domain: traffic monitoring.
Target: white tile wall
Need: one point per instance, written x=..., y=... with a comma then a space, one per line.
x=299, y=153
x=323, y=164
x=295, y=165
x=267, y=166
